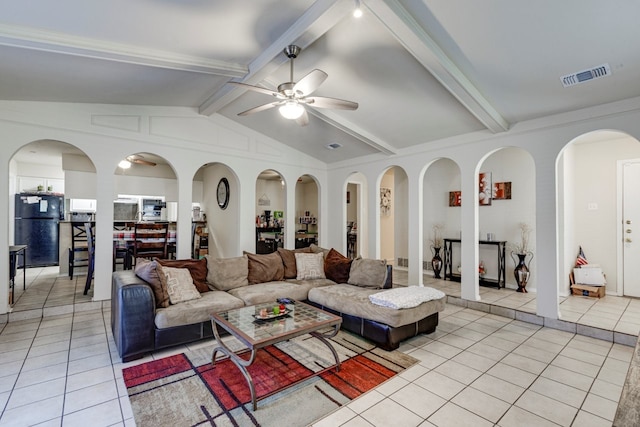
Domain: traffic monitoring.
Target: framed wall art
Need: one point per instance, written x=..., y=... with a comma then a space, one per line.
x=485, y=189
x=385, y=201
x=455, y=198
x=502, y=191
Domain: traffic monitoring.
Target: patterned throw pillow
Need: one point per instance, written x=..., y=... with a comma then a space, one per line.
x=310, y=266
x=179, y=284
x=197, y=268
x=289, y=260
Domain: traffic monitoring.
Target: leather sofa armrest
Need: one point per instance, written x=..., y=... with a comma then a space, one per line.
x=388, y=283
x=132, y=315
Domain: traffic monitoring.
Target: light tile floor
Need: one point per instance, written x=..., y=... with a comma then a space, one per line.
x=476, y=369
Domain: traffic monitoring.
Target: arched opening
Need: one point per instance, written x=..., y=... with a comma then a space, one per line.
x=51, y=183
x=307, y=211
x=355, y=201
x=507, y=215
x=598, y=212
x=394, y=217
x=270, y=209
x=441, y=216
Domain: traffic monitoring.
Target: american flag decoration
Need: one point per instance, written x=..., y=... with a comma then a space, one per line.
x=581, y=259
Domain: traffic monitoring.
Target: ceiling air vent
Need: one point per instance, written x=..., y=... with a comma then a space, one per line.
x=586, y=75
x=333, y=146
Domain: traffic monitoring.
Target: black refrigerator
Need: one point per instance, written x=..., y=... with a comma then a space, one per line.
x=37, y=225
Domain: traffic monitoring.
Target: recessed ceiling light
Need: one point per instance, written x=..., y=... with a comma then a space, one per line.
x=333, y=146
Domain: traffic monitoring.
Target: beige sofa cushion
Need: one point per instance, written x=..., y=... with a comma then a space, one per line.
x=197, y=310
x=368, y=273
x=354, y=300
x=227, y=273
x=270, y=291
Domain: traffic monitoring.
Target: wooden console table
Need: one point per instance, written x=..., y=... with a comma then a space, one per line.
x=448, y=260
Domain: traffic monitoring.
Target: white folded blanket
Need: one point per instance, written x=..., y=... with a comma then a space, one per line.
x=411, y=296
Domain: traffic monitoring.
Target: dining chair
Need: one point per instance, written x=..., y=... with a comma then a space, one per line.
x=78, y=252
x=149, y=241
x=91, y=249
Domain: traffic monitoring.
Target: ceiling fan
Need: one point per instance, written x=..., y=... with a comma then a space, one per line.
x=292, y=96
x=137, y=159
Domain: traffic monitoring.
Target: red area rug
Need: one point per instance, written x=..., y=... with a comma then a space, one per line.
x=293, y=380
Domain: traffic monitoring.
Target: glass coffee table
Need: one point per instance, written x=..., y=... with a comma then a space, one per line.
x=246, y=325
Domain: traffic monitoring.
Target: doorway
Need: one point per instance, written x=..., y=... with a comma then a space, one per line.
x=630, y=220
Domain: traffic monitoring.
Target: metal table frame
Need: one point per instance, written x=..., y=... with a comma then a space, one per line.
x=253, y=345
x=14, y=252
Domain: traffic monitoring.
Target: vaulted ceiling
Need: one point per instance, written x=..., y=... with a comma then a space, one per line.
x=420, y=70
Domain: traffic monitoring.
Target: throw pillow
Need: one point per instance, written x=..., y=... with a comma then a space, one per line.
x=317, y=249
x=197, y=268
x=289, y=260
x=310, y=266
x=179, y=284
x=147, y=270
x=337, y=266
x=265, y=268
x=227, y=273
x=368, y=273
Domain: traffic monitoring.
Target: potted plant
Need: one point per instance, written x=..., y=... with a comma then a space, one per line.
x=436, y=245
x=521, y=250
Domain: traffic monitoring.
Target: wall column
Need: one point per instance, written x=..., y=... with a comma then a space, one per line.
x=469, y=221
x=416, y=236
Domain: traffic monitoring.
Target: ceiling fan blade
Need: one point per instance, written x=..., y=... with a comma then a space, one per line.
x=303, y=120
x=143, y=162
x=138, y=159
x=335, y=103
x=256, y=89
x=259, y=108
x=310, y=82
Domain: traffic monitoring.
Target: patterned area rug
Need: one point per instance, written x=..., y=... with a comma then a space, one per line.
x=293, y=379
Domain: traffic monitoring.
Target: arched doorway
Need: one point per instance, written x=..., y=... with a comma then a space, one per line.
x=270, y=209
x=307, y=211
x=356, y=238
x=393, y=217
x=50, y=174
x=441, y=212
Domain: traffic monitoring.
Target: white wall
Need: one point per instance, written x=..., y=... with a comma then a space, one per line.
x=387, y=222
x=222, y=223
x=274, y=191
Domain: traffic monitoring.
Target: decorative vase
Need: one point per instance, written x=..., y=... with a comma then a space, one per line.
x=521, y=272
x=436, y=262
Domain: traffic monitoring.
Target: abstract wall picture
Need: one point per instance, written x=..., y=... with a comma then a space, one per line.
x=455, y=198
x=485, y=189
x=385, y=201
x=502, y=191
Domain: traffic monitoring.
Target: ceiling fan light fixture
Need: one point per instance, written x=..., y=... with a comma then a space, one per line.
x=357, y=12
x=291, y=110
x=124, y=164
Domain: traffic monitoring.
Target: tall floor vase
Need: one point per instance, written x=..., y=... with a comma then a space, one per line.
x=521, y=272
x=436, y=262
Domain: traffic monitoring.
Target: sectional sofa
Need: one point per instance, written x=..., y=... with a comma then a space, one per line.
x=163, y=303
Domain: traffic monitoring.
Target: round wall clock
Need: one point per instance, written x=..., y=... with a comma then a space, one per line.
x=223, y=193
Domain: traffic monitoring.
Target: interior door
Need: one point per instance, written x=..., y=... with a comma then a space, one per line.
x=631, y=229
